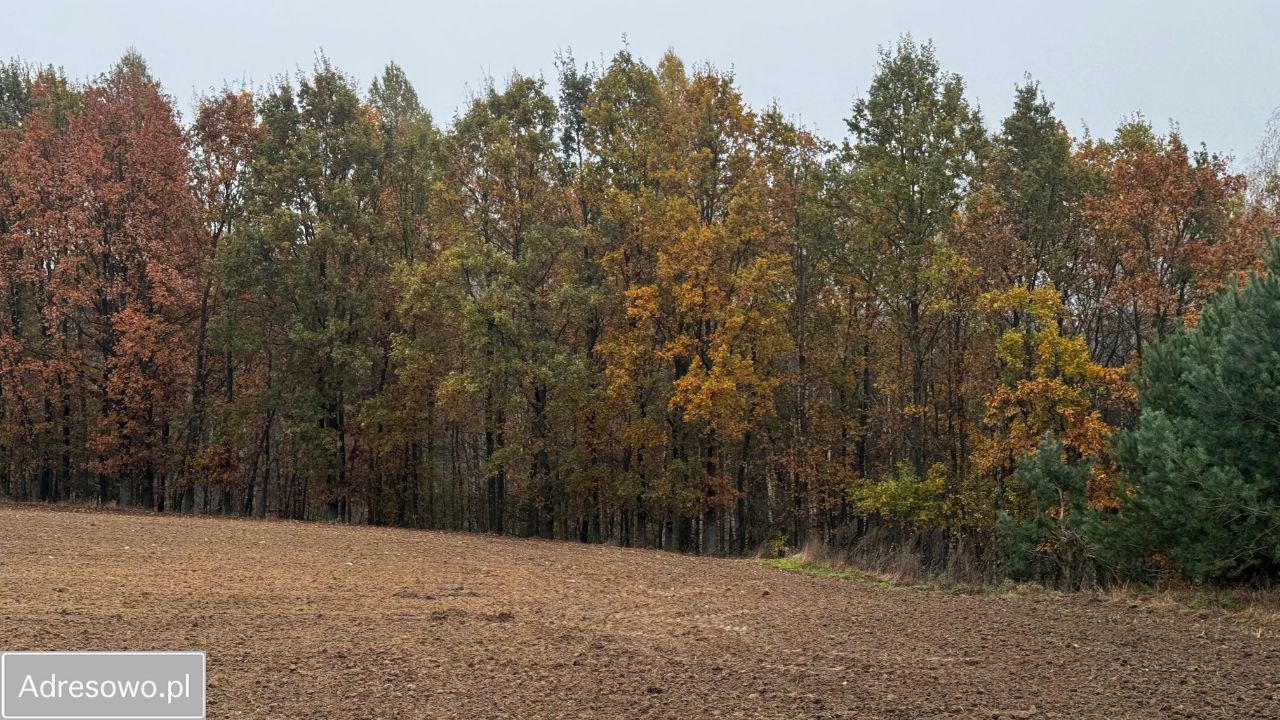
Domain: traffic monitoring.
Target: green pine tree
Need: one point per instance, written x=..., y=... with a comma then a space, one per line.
x=1203, y=466
x=1051, y=538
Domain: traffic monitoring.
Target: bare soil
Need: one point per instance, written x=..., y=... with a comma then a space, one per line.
x=324, y=621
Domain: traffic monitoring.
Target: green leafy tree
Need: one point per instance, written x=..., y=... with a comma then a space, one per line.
x=1025, y=211
x=506, y=265
x=398, y=423
x=304, y=273
x=915, y=144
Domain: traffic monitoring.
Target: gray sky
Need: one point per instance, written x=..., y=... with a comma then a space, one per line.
x=1211, y=67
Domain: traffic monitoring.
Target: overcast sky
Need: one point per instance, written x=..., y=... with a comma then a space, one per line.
x=1214, y=68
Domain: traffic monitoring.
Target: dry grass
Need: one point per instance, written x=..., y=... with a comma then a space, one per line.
x=909, y=557
x=1256, y=609
x=898, y=566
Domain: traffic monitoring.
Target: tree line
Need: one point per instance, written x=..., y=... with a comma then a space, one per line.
x=620, y=307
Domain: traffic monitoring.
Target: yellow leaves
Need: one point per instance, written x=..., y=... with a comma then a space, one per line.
x=1009, y=347
x=1049, y=384
x=911, y=411
x=1035, y=341
x=727, y=398
x=691, y=297
x=681, y=346
x=947, y=270
x=1068, y=356
x=693, y=271
x=904, y=496
x=642, y=303
x=692, y=392
x=1043, y=303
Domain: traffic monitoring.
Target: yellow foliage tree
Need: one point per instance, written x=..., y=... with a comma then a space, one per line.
x=1047, y=384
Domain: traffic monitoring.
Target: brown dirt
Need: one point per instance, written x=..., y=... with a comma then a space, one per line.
x=303, y=620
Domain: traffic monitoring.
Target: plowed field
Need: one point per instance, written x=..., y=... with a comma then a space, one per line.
x=321, y=621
